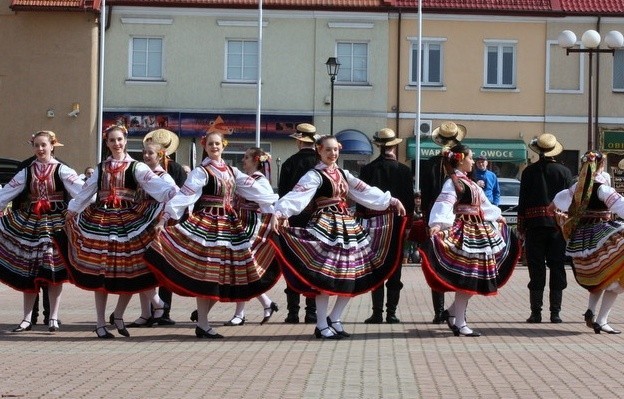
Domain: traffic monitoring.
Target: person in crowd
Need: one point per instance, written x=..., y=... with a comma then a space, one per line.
x=292, y=170
x=471, y=250
x=215, y=254
x=106, y=239
x=334, y=254
x=88, y=172
x=256, y=163
x=417, y=232
x=543, y=242
x=28, y=257
x=169, y=141
x=486, y=179
x=594, y=240
x=154, y=155
x=386, y=173
x=432, y=177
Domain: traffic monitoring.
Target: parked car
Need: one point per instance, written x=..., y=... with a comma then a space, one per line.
x=509, y=194
x=8, y=169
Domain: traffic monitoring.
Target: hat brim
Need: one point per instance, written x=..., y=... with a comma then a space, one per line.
x=621, y=164
x=390, y=143
x=302, y=137
x=558, y=149
x=173, y=145
x=442, y=141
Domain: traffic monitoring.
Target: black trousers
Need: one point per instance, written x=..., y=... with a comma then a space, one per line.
x=545, y=247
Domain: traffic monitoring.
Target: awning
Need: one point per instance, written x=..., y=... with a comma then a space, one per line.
x=354, y=142
x=495, y=150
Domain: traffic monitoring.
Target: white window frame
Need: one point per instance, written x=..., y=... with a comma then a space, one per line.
x=341, y=58
x=243, y=66
x=619, y=54
x=131, y=62
x=500, y=44
x=426, y=42
x=551, y=46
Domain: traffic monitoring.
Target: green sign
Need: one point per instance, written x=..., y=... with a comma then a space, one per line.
x=612, y=141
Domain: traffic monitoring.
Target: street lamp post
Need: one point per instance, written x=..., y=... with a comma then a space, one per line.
x=591, y=42
x=332, y=70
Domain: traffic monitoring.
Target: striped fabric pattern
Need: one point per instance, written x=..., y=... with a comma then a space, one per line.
x=28, y=256
x=337, y=256
x=597, y=252
x=449, y=267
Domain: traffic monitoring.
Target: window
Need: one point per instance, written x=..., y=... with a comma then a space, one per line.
x=242, y=61
x=431, y=71
x=353, y=58
x=500, y=65
x=146, y=58
x=618, y=70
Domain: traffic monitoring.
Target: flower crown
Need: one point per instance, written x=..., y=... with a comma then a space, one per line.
x=114, y=127
x=458, y=156
x=53, y=140
x=591, y=156
x=263, y=158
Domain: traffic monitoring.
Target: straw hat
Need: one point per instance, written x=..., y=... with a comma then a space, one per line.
x=386, y=138
x=305, y=132
x=448, y=134
x=546, y=144
x=169, y=140
x=621, y=164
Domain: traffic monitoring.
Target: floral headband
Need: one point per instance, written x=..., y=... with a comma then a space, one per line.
x=263, y=158
x=591, y=156
x=223, y=141
x=458, y=156
x=53, y=140
x=109, y=129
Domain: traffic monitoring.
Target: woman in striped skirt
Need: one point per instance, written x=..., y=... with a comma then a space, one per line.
x=471, y=250
x=106, y=239
x=215, y=254
x=334, y=254
x=594, y=240
x=28, y=257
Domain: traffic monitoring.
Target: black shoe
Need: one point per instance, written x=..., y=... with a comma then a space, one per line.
x=235, y=321
x=376, y=318
x=22, y=329
x=554, y=317
x=162, y=320
x=438, y=319
x=534, y=318
x=457, y=331
x=201, y=333
x=53, y=325
x=589, y=318
x=342, y=333
x=194, y=315
x=392, y=319
x=318, y=333
x=272, y=308
x=292, y=318
x=103, y=333
x=604, y=328
x=148, y=323
x=123, y=330
x=310, y=318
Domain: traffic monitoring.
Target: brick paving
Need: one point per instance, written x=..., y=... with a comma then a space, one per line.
x=414, y=359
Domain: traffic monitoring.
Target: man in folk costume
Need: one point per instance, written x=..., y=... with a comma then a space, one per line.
x=388, y=174
x=292, y=170
x=544, y=243
x=433, y=176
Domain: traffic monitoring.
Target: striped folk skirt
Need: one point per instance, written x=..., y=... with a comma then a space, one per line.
x=28, y=256
x=597, y=252
x=336, y=255
x=471, y=257
x=212, y=255
x=104, y=247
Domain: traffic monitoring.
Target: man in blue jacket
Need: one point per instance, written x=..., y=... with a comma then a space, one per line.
x=486, y=179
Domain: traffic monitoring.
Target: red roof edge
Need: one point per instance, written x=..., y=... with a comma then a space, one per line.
x=60, y=5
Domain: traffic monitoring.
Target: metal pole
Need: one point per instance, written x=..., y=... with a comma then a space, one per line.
x=590, y=134
x=331, y=108
x=259, y=92
x=100, y=121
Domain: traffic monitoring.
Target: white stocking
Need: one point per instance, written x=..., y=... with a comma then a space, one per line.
x=203, y=308
x=608, y=299
x=146, y=311
x=100, y=307
x=460, y=304
x=29, y=302
x=54, y=296
x=339, y=307
x=240, y=310
x=322, y=302
x=594, y=297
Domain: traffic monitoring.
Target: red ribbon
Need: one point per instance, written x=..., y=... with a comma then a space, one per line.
x=41, y=206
